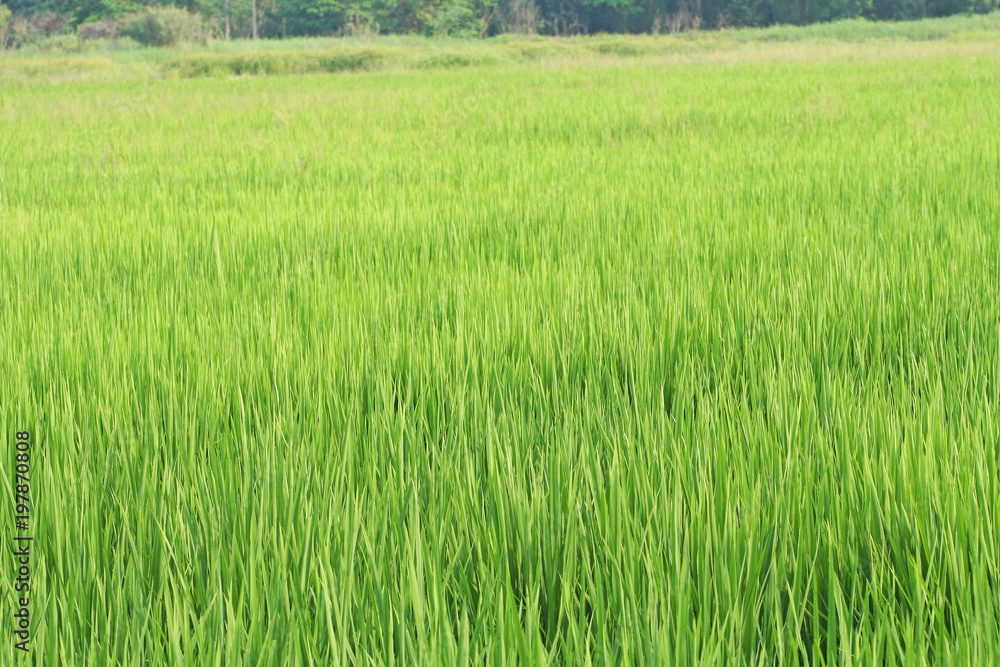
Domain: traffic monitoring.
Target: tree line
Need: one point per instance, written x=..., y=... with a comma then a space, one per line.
x=288, y=18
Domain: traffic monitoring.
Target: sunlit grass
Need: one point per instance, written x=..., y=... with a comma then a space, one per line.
x=629, y=364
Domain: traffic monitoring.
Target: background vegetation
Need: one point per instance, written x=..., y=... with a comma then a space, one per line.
x=160, y=22
x=120, y=59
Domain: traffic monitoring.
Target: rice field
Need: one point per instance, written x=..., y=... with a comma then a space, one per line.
x=621, y=361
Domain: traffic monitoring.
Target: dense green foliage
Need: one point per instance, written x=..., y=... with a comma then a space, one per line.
x=622, y=364
x=282, y=18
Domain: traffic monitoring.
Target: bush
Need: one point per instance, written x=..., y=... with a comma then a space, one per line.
x=23, y=30
x=97, y=30
x=456, y=21
x=5, y=19
x=164, y=26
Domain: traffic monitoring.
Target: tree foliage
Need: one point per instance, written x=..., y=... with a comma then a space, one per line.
x=280, y=18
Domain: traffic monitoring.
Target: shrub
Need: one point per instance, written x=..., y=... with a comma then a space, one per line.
x=164, y=26
x=457, y=21
x=97, y=30
x=5, y=19
x=23, y=30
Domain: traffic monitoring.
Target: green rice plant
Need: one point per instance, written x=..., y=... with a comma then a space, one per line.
x=625, y=47
x=63, y=68
x=859, y=30
x=447, y=59
x=629, y=361
x=272, y=62
x=540, y=49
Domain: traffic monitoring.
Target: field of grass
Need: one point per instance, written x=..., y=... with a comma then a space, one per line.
x=69, y=58
x=623, y=361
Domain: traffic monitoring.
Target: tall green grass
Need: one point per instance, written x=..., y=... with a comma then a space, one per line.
x=546, y=365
